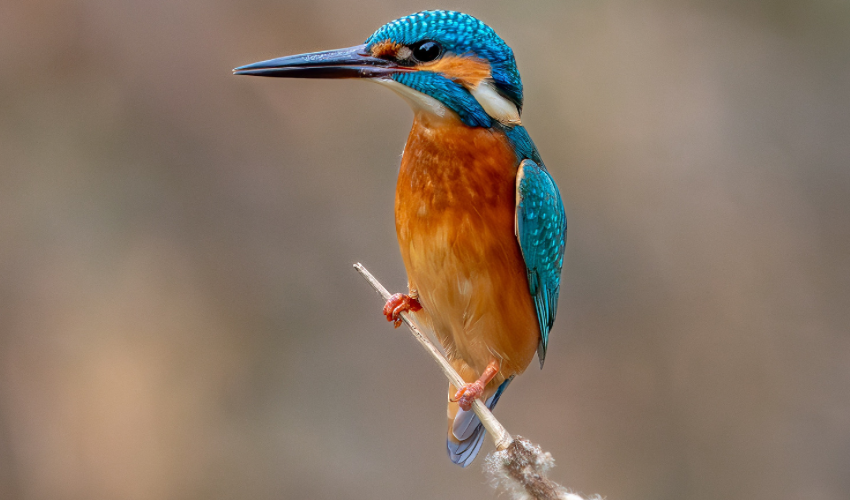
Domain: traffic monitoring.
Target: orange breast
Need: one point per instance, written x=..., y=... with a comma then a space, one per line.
x=455, y=206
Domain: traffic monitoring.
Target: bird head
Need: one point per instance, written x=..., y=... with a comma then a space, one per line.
x=443, y=63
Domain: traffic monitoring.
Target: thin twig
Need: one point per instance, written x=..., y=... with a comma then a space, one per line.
x=501, y=438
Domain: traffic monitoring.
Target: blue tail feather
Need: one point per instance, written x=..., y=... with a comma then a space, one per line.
x=464, y=452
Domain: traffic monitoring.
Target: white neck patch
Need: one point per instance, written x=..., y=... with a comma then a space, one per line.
x=498, y=107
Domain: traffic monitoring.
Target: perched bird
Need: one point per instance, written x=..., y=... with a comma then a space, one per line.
x=479, y=219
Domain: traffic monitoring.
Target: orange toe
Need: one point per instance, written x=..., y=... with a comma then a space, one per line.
x=467, y=394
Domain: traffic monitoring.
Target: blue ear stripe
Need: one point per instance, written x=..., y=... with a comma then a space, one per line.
x=452, y=95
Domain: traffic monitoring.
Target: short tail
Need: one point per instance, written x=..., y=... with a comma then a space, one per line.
x=466, y=433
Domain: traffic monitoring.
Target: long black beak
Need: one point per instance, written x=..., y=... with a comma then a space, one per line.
x=353, y=62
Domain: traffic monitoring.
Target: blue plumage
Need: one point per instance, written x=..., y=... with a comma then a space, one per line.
x=541, y=227
x=449, y=93
x=523, y=145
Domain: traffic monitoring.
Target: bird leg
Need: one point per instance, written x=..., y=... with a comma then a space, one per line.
x=470, y=392
x=400, y=303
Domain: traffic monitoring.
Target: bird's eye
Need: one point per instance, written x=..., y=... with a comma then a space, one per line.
x=427, y=51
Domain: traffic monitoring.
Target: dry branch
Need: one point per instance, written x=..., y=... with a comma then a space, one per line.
x=517, y=466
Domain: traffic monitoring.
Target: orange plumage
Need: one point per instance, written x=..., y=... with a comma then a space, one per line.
x=455, y=209
x=468, y=70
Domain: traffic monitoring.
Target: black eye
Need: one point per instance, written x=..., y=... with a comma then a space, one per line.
x=426, y=51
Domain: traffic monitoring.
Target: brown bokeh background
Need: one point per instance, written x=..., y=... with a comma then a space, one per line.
x=178, y=314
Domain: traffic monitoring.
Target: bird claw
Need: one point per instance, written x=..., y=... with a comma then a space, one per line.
x=467, y=394
x=398, y=304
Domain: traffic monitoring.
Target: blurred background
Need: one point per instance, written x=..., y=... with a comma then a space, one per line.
x=179, y=318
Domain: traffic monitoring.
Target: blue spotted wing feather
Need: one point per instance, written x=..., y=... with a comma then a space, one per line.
x=541, y=228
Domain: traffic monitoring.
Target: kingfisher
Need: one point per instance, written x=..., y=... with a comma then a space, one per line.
x=479, y=219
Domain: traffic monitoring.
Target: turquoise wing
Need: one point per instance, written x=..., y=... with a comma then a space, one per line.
x=541, y=228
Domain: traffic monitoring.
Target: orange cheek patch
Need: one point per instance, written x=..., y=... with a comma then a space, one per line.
x=468, y=71
x=385, y=48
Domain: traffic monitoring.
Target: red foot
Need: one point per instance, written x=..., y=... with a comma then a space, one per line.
x=469, y=393
x=398, y=304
